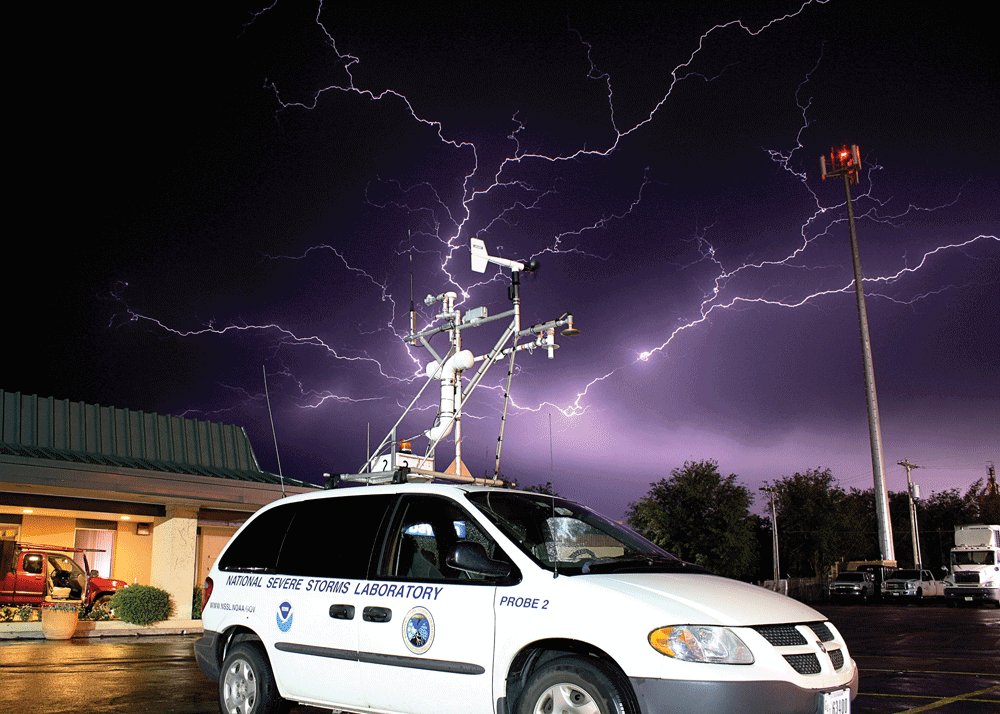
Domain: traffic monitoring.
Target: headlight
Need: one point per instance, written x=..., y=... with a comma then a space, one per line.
x=701, y=643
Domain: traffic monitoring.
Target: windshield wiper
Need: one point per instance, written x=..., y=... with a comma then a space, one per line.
x=642, y=562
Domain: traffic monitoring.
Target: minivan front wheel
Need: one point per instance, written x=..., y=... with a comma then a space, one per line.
x=571, y=685
x=247, y=684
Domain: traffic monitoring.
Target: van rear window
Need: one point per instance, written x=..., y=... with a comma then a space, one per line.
x=255, y=549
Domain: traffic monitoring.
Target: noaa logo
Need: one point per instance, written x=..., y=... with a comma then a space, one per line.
x=284, y=616
x=418, y=630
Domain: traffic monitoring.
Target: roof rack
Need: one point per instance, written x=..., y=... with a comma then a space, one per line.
x=62, y=548
x=405, y=474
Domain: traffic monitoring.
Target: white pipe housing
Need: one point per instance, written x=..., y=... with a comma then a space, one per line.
x=447, y=373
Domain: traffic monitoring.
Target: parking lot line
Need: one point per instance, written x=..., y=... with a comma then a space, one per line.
x=969, y=697
x=897, y=670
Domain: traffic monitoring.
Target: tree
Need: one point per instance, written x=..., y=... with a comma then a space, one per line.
x=811, y=526
x=546, y=489
x=702, y=517
x=938, y=515
x=989, y=501
x=859, y=526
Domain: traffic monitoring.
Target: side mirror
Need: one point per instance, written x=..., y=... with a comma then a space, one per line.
x=471, y=557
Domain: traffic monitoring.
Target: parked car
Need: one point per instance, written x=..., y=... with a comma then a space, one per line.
x=32, y=574
x=447, y=599
x=912, y=585
x=853, y=585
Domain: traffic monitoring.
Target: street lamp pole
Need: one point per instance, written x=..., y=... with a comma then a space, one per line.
x=846, y=163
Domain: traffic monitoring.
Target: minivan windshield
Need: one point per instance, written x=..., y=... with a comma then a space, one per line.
x=566, y=537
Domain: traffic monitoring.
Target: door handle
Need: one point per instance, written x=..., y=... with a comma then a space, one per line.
x=376, y=614
x=342, y=612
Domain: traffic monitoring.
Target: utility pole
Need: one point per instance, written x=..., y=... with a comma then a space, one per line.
x=774, y=536
x=914, y=492
x=846, y=163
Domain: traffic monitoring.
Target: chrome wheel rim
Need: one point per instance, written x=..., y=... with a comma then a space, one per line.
x=240, y=688
x=565, y=699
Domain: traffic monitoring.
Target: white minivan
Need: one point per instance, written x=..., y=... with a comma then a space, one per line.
x=421, y=598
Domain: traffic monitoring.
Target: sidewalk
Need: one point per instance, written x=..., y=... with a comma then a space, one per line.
x=111, y=628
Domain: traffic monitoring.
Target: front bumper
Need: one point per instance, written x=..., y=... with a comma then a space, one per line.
x=972, y=594
x=667, y=695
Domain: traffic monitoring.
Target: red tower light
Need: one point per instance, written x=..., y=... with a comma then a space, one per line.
x=843, y=161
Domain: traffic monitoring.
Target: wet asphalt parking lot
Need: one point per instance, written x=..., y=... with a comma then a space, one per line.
x=912, y=658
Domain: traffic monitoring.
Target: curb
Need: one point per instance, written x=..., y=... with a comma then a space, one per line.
x=112, y=628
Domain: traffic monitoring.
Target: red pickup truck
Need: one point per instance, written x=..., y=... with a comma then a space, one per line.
x=31, y=574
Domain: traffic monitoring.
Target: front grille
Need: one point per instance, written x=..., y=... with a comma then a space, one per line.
x=804, y=663
x=789, y=635
x=821, y=630
x=963, y=577
x=837, y=657
x=781, y=635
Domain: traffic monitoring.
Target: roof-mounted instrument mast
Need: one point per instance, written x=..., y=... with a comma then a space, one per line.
x=447, y=370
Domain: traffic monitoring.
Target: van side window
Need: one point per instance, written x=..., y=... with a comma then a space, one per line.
x=424, y=532
x=255, y=549
x=333, y=537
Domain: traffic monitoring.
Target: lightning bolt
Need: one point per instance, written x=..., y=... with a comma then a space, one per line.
x=498, y=188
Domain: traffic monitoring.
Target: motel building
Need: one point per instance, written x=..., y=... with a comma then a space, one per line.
x=159, y=495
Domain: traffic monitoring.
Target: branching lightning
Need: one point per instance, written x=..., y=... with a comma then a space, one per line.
x=494, y=195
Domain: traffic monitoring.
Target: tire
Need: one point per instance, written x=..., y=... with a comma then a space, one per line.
x=104, y=599
x=572, y=685
x=246, y=683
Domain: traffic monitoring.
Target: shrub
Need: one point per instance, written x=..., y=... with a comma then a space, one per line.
x=196, y=604
x=64, y=607
x=18, y=613
x=142, y=605
x=100, y=613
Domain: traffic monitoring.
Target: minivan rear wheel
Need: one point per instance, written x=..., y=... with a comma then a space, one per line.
x=571, y=685
x=247, y=683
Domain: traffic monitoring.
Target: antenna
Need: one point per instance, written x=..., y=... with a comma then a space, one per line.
x=413, y=313
x=552, y=458
x=273, y=432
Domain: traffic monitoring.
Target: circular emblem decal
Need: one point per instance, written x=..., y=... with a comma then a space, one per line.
x=418, y=630
x=284, y=616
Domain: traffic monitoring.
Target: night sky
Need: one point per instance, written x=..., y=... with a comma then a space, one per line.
x=216, y=191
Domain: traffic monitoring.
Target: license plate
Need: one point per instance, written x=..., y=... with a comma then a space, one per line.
x=838, y=702
x=968, y=599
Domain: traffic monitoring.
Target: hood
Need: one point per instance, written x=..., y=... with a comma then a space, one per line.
x=109, y=583
x=707, y=599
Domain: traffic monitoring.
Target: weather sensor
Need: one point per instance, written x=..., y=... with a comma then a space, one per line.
x=448, y=370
